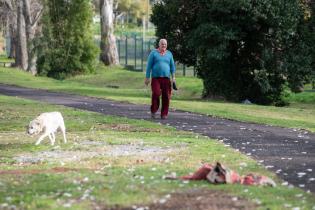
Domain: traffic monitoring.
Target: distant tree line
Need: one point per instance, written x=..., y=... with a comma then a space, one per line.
x=242, y=49
x=128, y=11
x=20, y=18
x=54, y=37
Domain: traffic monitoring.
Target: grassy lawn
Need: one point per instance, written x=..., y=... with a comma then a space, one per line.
x=303, y=100
x=122, y=85
x=4, y=58
x=90, y=171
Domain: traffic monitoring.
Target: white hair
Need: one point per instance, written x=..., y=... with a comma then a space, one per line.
x=162, y=40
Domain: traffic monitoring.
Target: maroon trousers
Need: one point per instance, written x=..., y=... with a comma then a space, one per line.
x=160, y=85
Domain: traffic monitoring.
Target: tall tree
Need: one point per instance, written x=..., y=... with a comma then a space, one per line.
x=311, y=37
x=242, y=49
x=67, y=47
x=12, y=33
x=131, y=9
x=109, y=53
x=21, y=57
x=22, y=23
x=32, y=13
x=8, y=16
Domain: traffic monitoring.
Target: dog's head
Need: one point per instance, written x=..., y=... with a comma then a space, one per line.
x=221, y=174
x=35, y=127
x=217, y=174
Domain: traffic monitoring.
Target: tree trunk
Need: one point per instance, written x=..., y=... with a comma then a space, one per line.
x=30, y=26
x=10, y=9
x=109, y=53
x=2, y=42
x=21, y=58
x=12, y=36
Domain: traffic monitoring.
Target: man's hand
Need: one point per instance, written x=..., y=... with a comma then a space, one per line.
x=173, y=79
x=173, y=83
x=147, y=81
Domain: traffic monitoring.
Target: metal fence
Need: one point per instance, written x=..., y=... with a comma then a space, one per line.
x=134, y=50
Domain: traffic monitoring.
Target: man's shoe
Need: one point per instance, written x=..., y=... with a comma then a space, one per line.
x=153, y=115
x=164, y=117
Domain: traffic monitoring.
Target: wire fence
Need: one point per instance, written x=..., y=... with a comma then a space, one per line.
x=134, y=50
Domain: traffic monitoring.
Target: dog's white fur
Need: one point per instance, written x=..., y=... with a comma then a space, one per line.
x=47, y=123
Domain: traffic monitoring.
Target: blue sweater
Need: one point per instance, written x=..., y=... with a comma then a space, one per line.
x=160, y=65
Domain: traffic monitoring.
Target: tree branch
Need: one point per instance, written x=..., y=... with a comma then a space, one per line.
x=37, y=16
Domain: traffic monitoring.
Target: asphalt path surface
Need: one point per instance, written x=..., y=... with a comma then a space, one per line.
x=290, y=153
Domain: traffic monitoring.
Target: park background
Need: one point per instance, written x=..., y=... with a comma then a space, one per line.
x=92, y=70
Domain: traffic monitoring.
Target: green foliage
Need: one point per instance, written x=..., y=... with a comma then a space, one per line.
x=310, y=34
x=241, y=48
x=300, y=59
x=135, y=9
x=67, y=46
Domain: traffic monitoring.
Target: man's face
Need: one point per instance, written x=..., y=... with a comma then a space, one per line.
x=163, y=45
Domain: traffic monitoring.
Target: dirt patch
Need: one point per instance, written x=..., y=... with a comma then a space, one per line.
x=196, y=199
x=138, y=150
x=125, y=127
x=92, y=149
x=56, y=155
x=38, y=171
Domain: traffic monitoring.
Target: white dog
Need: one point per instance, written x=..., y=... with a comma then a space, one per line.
x=47, y=123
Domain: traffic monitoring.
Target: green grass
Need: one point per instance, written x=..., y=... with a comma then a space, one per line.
x=4, y=58
x=305, y=99
x=121, y=85
x=116, y=180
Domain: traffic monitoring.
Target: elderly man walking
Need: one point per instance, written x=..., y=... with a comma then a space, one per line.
x=161, y=68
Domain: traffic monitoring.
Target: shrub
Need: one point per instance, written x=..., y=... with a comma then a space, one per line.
x=66, y=47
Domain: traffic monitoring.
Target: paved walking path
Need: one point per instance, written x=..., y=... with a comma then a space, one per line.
x=288, y=152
